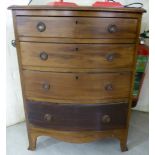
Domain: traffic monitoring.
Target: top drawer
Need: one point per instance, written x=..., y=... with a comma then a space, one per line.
x=76, y=27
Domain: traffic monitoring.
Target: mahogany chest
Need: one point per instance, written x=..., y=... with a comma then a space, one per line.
x=77, y=69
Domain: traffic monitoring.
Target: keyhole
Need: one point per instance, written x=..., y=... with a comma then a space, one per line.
x=76, y=49
x=76, y=77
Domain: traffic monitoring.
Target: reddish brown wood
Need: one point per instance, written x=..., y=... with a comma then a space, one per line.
x=73, y=26
x=79, y=8
x=68, y=13
x=75, y=117
x=83, y=85
x=77, y=41
x=86, y=56
x=76, y=86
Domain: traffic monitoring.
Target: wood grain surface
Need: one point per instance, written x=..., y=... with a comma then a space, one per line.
x=72, y=60
x=75, y=117
x=76, y=86
x=76, y=27
x=85, y=56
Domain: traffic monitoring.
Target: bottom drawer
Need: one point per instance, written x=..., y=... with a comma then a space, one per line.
x=77, y=117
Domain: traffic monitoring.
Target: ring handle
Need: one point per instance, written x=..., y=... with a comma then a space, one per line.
x=112, y=28
x=46, y=86
x=43, y=56
x=41, y=27
x=48, y=117
x=109, y=87
x=106, y=119
x=13, y=43
x=110, y=57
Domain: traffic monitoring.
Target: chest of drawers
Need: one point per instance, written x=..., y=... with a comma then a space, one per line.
x=77, y=69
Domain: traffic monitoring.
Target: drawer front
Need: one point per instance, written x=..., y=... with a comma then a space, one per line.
x=76, y=86
x=76, y=27
x=86, y=56
x=69, y=117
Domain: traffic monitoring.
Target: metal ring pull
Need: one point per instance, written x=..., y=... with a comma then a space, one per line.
x=41, y=27
x=110, y=57
x=48, y=117
x=13, y=43
x=109, y=87
x=43, y=56
x=46, y=86
x=106, y=119
x=112, y=28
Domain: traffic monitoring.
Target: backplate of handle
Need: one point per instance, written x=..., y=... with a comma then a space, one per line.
x=43, y=56
x=109, y=87
x=13, y=43
x=48, y=117
x=46, y=86
x=41, y=27
x=110, y=57
x=106, y=119
x=112, y=28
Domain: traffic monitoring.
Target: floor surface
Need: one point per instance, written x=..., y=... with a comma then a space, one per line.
x=138, y=141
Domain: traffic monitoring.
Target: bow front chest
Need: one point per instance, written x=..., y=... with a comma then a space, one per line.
x=77, y=70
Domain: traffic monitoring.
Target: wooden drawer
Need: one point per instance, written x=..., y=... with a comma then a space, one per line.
x=77, y=117
x=85, y=56
x=76, y=27
x=81, y=87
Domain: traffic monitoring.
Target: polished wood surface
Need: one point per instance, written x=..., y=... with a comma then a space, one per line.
x=78, y=137
x=79, y=8
x=73, y=26
x=76, y=86
x=75, y=13
x=75, y=117
x=54, y=70
x=86, y=56
x=77, y=41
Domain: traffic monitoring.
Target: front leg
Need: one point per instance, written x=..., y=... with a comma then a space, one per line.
x=123, y=146
x=32, y=141
x=123, y=142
